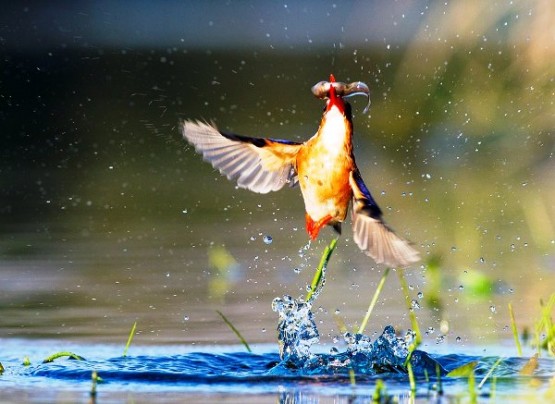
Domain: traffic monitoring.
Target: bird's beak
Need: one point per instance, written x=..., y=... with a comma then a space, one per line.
x=335, y=92
x=334, y=99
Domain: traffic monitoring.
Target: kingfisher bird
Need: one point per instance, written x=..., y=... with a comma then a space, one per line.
x=323, y=166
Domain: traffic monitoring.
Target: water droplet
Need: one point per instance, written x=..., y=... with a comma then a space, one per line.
x=440, y=339
x=334, y=350
x=185, y=318
x=297, y=270
x=420, y=295
x=184, y=211
x=430, y=330
x=337, y=311
x=414, y=304
x=461, y=287
x=458, y=339
x=493, y=309
x=263, y=330
x=268, y=239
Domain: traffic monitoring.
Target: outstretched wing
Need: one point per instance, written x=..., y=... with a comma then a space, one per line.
x=371, y=234
x=261, y=165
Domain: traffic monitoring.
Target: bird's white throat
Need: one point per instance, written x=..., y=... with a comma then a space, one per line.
x=334, y=131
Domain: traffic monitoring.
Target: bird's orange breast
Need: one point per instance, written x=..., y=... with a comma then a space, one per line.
x=324, y=164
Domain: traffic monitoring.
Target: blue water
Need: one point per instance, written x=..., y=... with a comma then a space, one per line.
x=231, y=371
x=296, y=370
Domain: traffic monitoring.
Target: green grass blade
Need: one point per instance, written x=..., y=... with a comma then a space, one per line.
x=412, y=380
x=373, y=302
x=515, y=330
x=379, y=395
x=493, y=388
x=352, y=377
x=464, y=370
x=130, y=338
x=439, y=380
x=546, y=327
x=319, y=271
x=486, y=377
x=472, y=387
x=94, y=379
x=546, y=323
x=57, y=355
x=235, y=330
x=412, y=315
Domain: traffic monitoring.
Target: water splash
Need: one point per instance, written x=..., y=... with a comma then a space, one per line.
x=297, y=333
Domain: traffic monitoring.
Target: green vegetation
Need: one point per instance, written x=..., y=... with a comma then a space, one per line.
x=318, y=278
x=57, y=355
x=434, y=285
x=130, y=338
x=545, y=326
x=467, y=371
x=544, y=329
x=235, y=330
x=380, y=393
x=95, y=379
x=352, y=378
x=412, y=380
x=515, y=330
x=490, y=371
x=472, y=387
x=438, y=377
x=373, y=301
x=412, y=315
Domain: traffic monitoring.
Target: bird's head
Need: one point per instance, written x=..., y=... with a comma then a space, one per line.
x=335, y=92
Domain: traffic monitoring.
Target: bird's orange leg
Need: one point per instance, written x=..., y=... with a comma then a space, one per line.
x=313, y=228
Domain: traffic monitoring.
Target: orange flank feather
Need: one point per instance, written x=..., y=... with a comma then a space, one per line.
x=313, y=228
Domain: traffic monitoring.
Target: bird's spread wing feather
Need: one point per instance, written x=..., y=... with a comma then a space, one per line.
x=371, y=234
x=261, y=165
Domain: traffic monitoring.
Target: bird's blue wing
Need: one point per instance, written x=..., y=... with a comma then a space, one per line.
x=371, y=233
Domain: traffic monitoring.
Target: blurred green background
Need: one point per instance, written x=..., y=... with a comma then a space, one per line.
x=107, y=216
